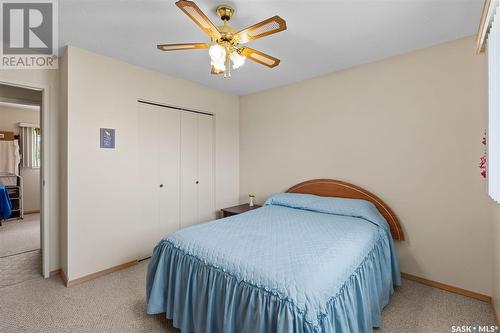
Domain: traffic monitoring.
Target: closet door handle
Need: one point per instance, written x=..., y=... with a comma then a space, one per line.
x=197, y=182
x=161, y=185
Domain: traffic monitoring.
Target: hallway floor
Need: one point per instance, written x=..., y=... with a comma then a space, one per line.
x=20, y=255
x=19, y=236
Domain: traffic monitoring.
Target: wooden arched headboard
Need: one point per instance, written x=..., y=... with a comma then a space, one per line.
x=337, y=188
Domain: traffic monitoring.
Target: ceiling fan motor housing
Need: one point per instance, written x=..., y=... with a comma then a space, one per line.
x=224, y=12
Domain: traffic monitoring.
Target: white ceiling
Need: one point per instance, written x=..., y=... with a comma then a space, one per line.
x=322, y=36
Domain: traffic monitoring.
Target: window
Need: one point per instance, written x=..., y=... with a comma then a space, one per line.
x=30, y=142
x=489, y=41
x=493, y=52
x=36, y=148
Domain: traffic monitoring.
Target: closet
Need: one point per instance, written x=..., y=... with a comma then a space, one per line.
x=176, y=163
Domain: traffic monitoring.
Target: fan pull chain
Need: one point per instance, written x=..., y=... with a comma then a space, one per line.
x=227, y=72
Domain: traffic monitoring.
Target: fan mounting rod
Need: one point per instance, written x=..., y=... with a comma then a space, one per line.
x=224, y=12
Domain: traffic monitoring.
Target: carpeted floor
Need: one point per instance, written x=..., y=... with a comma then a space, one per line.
x=18, y=236
x=116, y=303
x=20, y=267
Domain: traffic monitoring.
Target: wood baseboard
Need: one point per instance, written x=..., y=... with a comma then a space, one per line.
x=447, y=287
x=56, y=272
x=26, y=212
x=61, y=273
x=95, y=275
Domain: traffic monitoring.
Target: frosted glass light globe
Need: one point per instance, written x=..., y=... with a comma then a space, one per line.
x=220, y=66
x=217, y=53
x=237, y=59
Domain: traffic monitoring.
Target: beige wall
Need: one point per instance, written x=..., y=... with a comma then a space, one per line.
x=103, y=217
x=49, y=79
x=11, y=116
x=31, y=189
x=9, y=119
x=409, y=129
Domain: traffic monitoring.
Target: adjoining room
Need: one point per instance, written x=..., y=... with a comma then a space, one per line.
x=20, y=156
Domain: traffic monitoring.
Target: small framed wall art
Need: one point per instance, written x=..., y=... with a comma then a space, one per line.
x=108, y=138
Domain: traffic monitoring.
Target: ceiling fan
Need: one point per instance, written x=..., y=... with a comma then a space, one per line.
x=224, y=48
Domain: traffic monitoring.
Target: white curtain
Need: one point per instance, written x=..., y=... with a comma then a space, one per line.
x=9, y=158
x=493, y=50
x=30, y=145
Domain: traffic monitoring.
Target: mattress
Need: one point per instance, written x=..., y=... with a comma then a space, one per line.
x=301, y=263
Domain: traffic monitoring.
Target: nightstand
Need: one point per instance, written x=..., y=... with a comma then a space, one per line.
x=235, y=210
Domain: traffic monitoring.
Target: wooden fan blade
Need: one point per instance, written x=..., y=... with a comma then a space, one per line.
x=194, y=12
x=186, y=46
x=267, y=27
x=261, y=58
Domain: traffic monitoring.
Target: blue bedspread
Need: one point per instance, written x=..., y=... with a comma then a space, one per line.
x=5, y=204
x=301, y=263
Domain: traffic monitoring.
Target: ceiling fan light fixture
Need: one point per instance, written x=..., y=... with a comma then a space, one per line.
x=237, y=59
x=217, y=53
x=225, y=49
x=218, y=65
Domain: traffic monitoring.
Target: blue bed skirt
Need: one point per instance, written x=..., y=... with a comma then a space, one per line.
x=201, y=298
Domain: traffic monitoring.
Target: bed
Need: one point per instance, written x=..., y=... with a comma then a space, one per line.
x=318, y=258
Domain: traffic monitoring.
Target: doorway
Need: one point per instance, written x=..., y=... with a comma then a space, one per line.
x=21, y=209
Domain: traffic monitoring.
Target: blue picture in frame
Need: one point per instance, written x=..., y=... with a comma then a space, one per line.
x=108, y=138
